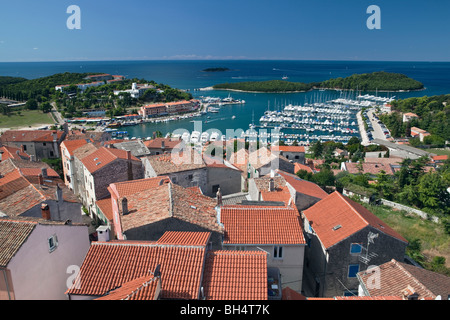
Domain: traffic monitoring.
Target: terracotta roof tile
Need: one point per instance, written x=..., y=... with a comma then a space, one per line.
x=279, y=194
x=299, y=166
x=30, y=135
x=290, y=148
x=303, y=186
x=261, y=225
x=13, y=234
x=14, y=153
x=336, y=217
x=105, y=206
x=235, y=275
x=104, y=156
x=109, y=265
x=125, y=188
x=169, y=144
x=72, y=145
x=143, y=288
x=396, y=277
x=187, y=238
x=167, y=200
x=176, y=162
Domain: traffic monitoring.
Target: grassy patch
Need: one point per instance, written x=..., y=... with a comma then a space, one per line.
x=25, y=119
x=434, y=241
x=440, y=152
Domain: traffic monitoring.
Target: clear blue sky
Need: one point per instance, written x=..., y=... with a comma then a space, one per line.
x=35, y=30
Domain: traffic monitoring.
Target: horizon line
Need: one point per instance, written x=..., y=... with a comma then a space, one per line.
x=223, y=59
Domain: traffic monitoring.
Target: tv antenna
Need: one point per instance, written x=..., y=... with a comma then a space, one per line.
x=366, y=256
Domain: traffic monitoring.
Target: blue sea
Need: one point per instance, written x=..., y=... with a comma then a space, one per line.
x=188, y=75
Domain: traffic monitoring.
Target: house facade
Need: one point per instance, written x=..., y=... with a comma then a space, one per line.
x=39, y=257
x=38, y=144
x=103, y=167
x=343, y=238
x=276, y=230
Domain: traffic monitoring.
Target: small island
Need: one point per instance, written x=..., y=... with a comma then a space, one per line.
x=215, y=69
x=376, y=81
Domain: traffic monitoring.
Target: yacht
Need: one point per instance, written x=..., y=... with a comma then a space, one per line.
x=195, y=137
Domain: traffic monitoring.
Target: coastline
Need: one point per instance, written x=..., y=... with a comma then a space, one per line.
x=315, y=89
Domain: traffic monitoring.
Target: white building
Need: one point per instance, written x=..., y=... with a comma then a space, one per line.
x=136, y=91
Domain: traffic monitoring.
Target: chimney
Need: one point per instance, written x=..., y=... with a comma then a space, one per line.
x=163, y=145
x=44, y=172
x=41, y=179
x=55, y=136
x=271, y=185
x=45, y=210
x=219, y=198
x=124, y=206
x=59, y=194
x=130, y=166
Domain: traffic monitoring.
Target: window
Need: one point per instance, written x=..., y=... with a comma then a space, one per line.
x=278, y=252
x=353, y=269
x=52, y=243
x=355, y=248
x=190, y=177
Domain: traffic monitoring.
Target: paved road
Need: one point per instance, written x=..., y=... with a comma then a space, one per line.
x=377, y=131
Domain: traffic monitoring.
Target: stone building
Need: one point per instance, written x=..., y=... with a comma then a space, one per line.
x=343, y=238
x=39, y=144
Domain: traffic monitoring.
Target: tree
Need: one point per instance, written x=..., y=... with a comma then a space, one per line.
x=317, y=149
x=31, y=104
x=46, y=107
x=324, y=178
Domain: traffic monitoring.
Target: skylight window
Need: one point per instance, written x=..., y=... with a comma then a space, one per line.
x=337, y=227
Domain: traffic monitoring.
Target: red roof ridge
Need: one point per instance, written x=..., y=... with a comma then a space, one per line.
x=349, y=204
x=413, y=278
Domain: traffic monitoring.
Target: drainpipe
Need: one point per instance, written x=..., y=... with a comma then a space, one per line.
x=6, y=282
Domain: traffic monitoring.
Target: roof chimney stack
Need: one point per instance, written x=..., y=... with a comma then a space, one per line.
x=124, y=206
x=219, y=198
x=44, y=172
x=271, y=185
x=41, y=179
x=45, y=210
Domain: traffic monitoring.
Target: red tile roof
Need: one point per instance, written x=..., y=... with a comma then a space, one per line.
x=30, y=136
x=13, y=234
x=105, y=206
x=303, y=186
x=109, y=265
x=125, y=188
x=290, y=148
x=235, y=275
x=337, y=210
x=185, y=237
x=169, y=201
x=13, y=153
x=440, y=158
x=279, y=194
x=261, y=225
x=290, y=294
x=104, y=156
x=157, y=143
x=71, y=145
x=396, y=277
x=299, y=166
x=143, y=288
